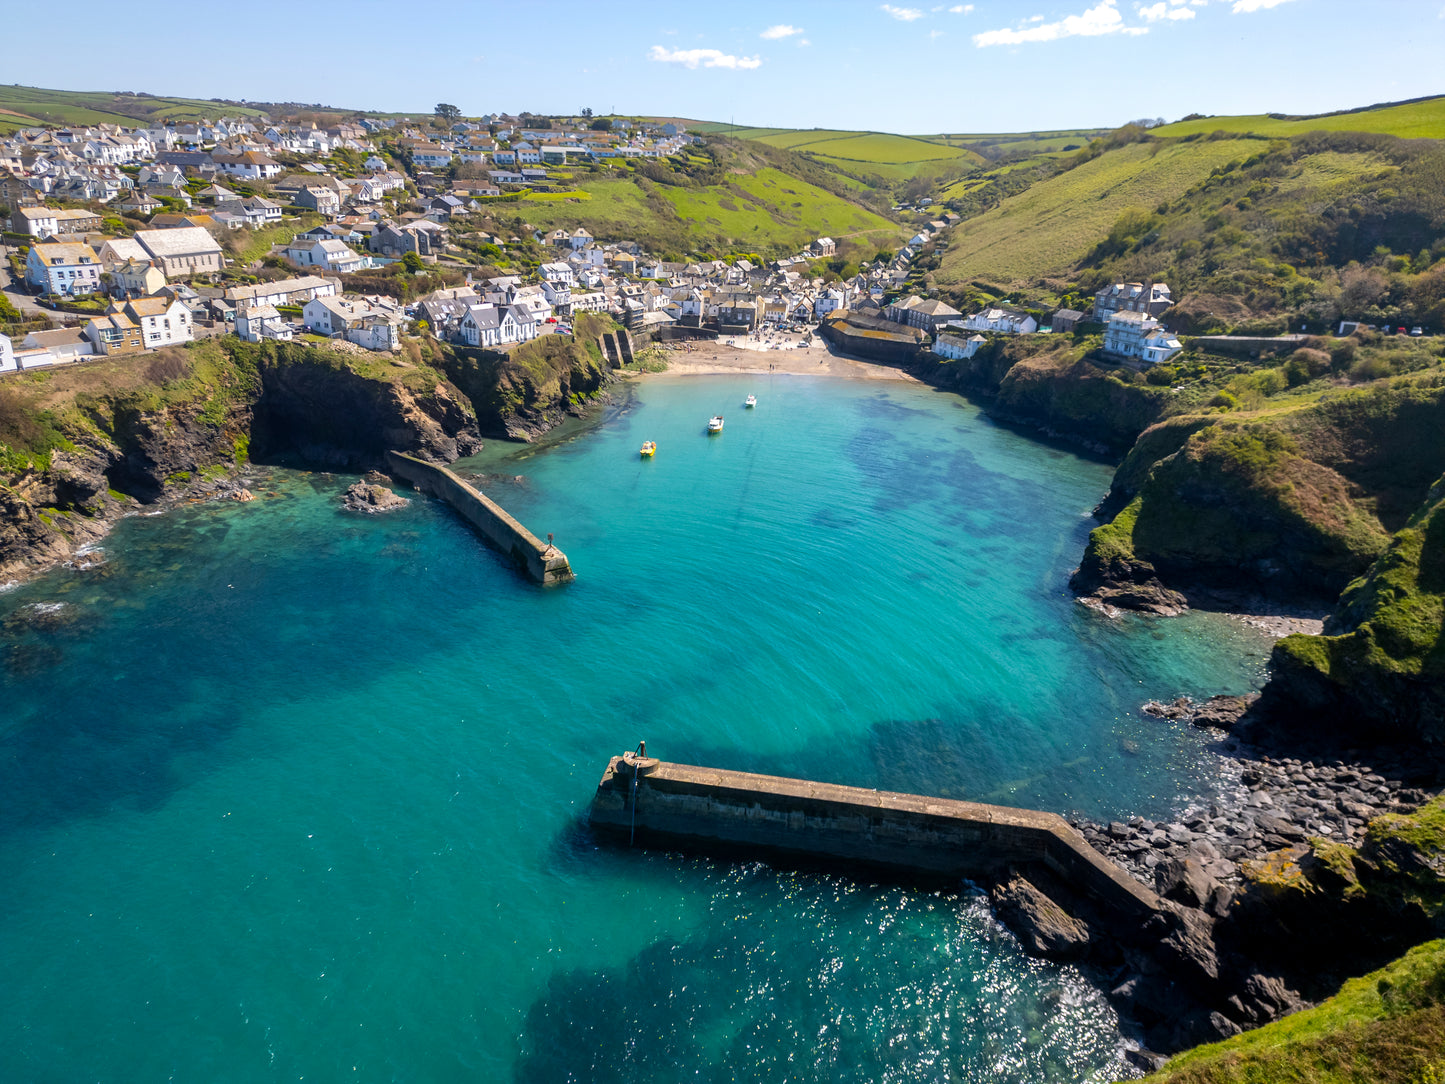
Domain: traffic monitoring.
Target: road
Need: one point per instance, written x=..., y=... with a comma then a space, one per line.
x=15, y=292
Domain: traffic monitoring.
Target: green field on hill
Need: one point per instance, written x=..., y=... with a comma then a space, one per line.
x=1408, y=120
x=768, y=211
x=1044, y=231
x=25, y=107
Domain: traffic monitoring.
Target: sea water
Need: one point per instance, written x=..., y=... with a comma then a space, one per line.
x=288, y=793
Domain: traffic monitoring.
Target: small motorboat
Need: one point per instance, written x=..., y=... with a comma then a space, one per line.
x=649, y=449
x=751, y=401
x=715, y=424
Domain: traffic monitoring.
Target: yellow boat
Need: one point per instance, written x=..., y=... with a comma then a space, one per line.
x=648, y=448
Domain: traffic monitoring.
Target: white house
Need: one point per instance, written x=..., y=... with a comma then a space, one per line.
x=1004, y=321
x=1139, y=336
x=559, y=274
x=954, y=346
x=262, y=322
x=496, y=325
x=295, y=291
x=333, y=255
x=252, y=165
x=370, y=322
x=830, y=299
x=7, y=355
x=163, y=321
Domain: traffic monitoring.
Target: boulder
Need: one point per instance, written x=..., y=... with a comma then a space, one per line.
x=1041, y=924
x=372, y=499
x=1185, y=881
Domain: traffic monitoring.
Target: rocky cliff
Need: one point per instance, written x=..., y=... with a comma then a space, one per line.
x=1288, y=505
x=1378, y=672
x=81, y=447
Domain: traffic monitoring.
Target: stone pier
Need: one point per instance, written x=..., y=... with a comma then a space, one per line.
x=542, y=561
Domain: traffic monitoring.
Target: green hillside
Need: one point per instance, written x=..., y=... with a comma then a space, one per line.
x=1423, y=119
x=1384, y=1028
x=23, y=107
x=769, y=211
x=1046, y=230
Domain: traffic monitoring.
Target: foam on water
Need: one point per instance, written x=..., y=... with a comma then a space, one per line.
x=285, y=792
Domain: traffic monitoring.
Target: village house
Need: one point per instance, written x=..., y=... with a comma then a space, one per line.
x=496, y=325
x=63, y=268
x=918, y=312
x=181, y=252
x=135, y=278
x=53, y=222
x=333, y=255
x=1151, y=300
x=1065, y=320
x=955, y=345
x=262, y=322
x=55, y=347
x=255, y=211
x=823, y=246
x=1137, y=336
x=114, y=334
x=369, y=322
x=1003, y=321
x=250, y=165
x=7, y=355
x=163, y=321
x=295, y=291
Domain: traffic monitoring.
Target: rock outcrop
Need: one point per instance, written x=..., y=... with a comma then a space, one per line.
x=372, y=499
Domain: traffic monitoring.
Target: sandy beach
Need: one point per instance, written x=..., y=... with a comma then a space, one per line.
x=780, y=353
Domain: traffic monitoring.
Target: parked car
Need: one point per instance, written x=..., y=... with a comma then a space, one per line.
x=1417, y=331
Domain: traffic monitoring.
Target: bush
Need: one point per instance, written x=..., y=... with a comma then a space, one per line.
x=1304, y=365
x=1342, y=355
x=1160, y=376
x=1224, y=401
x=1371, y=368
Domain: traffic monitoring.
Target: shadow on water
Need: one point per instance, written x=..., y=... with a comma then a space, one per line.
x=810, y=977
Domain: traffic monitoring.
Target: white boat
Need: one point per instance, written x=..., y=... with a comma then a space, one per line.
x=751, y=401
x=715, y=424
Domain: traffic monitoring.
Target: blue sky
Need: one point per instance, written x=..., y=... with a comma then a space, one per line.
x=911, y=66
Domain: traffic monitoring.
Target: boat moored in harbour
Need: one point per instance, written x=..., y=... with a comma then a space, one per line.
x=715, y=424
x=751, y=401
x=649, y=449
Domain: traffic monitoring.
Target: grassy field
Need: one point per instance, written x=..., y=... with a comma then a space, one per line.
x=1411, y=120
x=1045, y=230
x=769, y=211
x=879, y=154
x=23, y=107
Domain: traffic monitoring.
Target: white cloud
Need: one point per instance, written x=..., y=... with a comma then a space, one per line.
x=782, y=30
x=803, y=42
x=1036, y=18
x=933, y=34
x=1247, y=6
x=906, y=15
x=707, y=58
x=1104, y=18
x=961, y=9
x=1158, y=11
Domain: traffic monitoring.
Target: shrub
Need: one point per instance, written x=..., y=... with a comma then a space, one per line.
x=1160, y=376
x=1371, y=368
x=1224, y=401
x=1304, y=365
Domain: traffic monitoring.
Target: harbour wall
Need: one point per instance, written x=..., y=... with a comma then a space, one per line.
x=711, y=808
x=542, y=562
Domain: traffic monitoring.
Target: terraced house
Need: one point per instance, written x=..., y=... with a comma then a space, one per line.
x=182, y=252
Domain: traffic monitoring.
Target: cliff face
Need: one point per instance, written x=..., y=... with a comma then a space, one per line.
x=1052, y=386
x=80, y=448
x=330, y=415
x=1379, y=669
x=1290, y=506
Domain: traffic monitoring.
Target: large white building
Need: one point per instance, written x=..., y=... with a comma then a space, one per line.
x=1138, y=336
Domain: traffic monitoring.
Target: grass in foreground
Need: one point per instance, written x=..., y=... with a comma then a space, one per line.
x=1385, y=1028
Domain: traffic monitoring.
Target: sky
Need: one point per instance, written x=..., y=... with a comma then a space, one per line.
x=912, y=67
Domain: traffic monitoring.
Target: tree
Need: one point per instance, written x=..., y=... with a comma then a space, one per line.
x=412, y=262
x=601, y=124
x=586, y=113
x=447, y=112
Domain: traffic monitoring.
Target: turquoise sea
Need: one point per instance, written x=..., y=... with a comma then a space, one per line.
x=292, y=794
